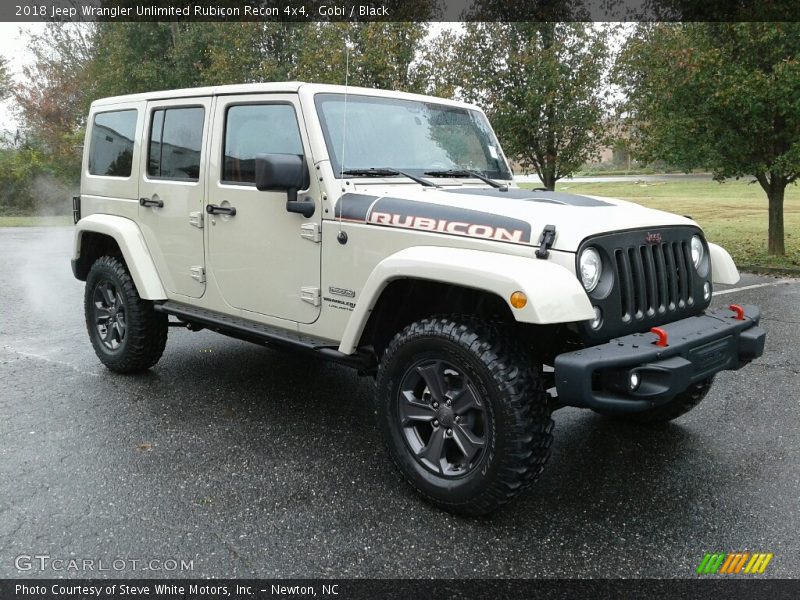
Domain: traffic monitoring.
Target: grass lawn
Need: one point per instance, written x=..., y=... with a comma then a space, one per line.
x=733, y=214
x=17, y=221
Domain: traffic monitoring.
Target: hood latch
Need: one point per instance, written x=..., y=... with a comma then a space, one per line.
x=546, y=240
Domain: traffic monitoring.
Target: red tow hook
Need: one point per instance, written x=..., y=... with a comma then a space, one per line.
x=662, y=336
x=738, y=310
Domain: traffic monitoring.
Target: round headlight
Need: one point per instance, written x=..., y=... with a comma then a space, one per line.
x=697, y=251
x=591, y=267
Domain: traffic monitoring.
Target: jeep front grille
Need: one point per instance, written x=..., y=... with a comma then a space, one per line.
x=648, y=280
x=654, y=279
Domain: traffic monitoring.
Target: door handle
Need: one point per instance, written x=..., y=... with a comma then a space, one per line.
x=214, y=209
x=151, y=202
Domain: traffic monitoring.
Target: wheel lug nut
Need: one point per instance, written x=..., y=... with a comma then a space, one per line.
x=458, y=418
x=435, y=405
x=449, y=402
x=435, y=423
x=449, y=432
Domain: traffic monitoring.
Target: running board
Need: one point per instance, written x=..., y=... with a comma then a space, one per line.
x=259, y=333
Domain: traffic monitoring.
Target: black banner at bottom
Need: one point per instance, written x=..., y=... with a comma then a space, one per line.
x=336, y=589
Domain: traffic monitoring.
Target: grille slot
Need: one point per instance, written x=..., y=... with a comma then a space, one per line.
x=654, y=278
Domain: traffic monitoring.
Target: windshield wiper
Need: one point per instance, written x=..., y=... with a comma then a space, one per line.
x=468, y=173
x=386, y=172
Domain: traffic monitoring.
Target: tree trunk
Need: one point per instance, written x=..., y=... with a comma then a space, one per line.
x=549, y=178
x=775, y=187
x=776, y=243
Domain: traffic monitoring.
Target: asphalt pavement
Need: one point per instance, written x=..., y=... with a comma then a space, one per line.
x=252, y=462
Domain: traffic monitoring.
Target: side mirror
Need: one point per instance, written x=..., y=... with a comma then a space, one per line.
x=285, y=172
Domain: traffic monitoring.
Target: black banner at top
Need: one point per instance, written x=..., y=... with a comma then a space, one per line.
x=398, y=10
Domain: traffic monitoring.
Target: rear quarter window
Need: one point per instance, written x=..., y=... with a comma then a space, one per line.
x=111, y=144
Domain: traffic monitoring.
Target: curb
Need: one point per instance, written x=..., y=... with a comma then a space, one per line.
x=755, y=269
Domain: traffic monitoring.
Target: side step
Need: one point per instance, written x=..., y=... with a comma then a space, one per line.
x=259, y=333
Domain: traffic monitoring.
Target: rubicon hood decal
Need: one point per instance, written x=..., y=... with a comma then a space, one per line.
x=424, y=216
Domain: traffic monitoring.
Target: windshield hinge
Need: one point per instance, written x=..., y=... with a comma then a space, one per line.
x=311, y=232
x=546, y=241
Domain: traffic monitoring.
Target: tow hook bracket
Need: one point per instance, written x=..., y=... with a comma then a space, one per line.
x=738, y=310
x=663, y=338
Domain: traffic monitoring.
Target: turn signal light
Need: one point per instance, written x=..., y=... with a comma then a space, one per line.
x=519, y=300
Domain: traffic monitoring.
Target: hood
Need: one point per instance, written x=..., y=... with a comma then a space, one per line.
x=514, y=216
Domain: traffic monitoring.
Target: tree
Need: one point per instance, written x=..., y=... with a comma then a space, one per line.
x=542, y=87
x=381, y=55
x=6, y=82
x=55, y=94
x=723, y=97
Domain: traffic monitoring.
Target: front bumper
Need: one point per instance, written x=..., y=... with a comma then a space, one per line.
x=698, y=347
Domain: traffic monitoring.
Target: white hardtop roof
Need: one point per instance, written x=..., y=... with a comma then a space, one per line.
x=266, y=88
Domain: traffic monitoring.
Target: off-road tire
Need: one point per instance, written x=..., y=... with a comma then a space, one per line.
x=518, y=433
x=145, y=330
x=679, y=405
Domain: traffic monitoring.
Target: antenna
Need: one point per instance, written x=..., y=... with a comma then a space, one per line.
x=344, y=131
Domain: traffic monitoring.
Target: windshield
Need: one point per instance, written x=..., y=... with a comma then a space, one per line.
x=408, y=135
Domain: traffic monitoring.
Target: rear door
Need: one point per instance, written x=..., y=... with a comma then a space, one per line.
x=172, y=189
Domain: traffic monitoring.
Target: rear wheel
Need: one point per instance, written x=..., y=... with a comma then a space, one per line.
x=463, y=412
x=128, y=336
x=679, y=405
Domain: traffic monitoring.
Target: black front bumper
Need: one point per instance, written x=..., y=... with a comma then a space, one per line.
x=698, y=347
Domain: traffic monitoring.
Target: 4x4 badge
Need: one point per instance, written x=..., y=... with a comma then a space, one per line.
x=337, y=291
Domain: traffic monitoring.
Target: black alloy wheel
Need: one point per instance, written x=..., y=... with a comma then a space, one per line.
x=109, y=315
x=443, y=420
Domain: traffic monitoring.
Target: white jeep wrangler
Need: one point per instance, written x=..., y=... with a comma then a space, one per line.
x=383, y=231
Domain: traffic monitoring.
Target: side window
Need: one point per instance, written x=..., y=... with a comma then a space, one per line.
x=252, y=129
x=111, y=146
x=176, y=135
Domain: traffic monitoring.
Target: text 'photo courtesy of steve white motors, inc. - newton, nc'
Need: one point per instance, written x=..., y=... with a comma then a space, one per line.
x=180, y=590
x=90, y=12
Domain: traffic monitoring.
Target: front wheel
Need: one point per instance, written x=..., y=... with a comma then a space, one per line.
x=127, y=334
x=463, y=412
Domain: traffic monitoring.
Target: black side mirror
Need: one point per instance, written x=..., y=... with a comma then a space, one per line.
x=289, y=172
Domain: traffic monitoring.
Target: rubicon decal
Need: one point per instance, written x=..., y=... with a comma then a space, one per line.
x=443, y=226
x=424, y=216
x=721, y=563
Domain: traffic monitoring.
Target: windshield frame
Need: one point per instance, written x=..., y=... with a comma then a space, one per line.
x=502, y=174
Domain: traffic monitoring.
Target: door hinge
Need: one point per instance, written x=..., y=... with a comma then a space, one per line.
x=198, y=273
x=310, y=295
x=196, y=219
x=311, y=232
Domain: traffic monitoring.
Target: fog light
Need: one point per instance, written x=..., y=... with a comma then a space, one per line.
x=598, y=318
x=706, y=291
x=634, y=381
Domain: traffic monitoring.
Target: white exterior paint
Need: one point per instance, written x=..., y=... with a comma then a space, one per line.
x=561, y=300
x=134, y=249
x=723, y=269
x=257, y=265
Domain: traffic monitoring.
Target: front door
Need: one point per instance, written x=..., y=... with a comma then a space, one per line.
x=171, y=190
x=265, y=260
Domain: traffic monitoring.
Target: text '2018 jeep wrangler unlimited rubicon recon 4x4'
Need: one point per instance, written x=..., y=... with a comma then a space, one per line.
x=383, y=231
